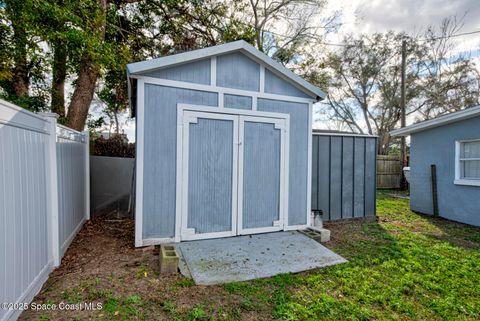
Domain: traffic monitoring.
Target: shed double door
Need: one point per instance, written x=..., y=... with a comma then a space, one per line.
x=233, y=175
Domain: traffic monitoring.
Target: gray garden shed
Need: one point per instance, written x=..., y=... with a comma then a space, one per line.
x=223, y=145
x=452, y=144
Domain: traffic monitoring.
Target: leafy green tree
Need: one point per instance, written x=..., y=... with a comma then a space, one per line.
x=365, y=82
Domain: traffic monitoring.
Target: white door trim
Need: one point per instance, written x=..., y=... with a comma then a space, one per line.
x=191, y=117
x=284, y=126
x=180, y=199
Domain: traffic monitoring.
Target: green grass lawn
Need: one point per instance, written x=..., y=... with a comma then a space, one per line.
x=405, y=266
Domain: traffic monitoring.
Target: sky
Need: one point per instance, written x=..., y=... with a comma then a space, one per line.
x=412, y=16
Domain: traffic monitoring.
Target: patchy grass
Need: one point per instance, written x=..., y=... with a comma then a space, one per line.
x=402, y=266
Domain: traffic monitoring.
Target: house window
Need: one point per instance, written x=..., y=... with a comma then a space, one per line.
x=467, y=167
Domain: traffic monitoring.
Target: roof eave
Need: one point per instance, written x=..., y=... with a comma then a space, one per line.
x=438, y=122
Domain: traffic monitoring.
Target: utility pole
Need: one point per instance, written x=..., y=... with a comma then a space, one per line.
x=403, y=182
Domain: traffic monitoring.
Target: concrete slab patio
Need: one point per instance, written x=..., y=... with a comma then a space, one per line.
x=250, y=257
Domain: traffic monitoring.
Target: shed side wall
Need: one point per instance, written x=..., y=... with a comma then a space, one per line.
x=437, y=146
x=298, y=156
x=343, y=180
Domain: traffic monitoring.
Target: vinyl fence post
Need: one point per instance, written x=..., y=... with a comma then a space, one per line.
x=52, y=186
x=87, y=174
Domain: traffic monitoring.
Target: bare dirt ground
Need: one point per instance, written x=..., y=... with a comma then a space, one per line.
x=103, y=266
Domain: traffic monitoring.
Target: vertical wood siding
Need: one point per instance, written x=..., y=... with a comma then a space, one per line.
x=237, y=102
x=276, y=85
x=195, y=72
x=343, y=176
x=210, y=175
x=261, y=175
x=237, y=71
x=298, y=157
x=160, y=153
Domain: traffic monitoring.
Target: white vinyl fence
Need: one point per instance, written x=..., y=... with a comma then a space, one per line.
x=44, y=200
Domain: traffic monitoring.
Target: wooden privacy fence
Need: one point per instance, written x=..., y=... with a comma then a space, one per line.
x=343, y=175
x=389, y=171
x=44, y=199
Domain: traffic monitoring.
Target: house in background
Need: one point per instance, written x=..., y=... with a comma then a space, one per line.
x=452, y=144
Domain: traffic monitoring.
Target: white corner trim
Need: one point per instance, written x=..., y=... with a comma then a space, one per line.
x=213, y=71
x=309, y=165
x=467, y=182
x=262, y=78
x=221, y=100
x=139, y=159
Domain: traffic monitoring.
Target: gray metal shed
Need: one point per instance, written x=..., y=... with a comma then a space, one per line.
x=452, y=144
x=344, y=175
x=223, y=145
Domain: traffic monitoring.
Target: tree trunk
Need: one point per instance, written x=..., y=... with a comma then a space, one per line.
x=383, y=143
x=58, y=82
x=87, y=78
x=117, y=125
x=83, y=94
x=21, y=80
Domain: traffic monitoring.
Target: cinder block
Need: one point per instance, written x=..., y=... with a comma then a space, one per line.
x=318, y=234
x=168, y=259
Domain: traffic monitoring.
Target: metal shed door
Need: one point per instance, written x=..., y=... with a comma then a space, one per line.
x=262, y=200
x=210, y=156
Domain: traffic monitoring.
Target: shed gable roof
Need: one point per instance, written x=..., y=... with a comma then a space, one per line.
x=138, y=68
x=439, y=121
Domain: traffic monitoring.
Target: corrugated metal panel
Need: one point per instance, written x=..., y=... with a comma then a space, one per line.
x=210, y=170
x=298, y=156
x=195, y=72
x=276, y=85
x=23, y=212
x=237, y=102
x=160, y=155
x=261, y=175
x=343, y=183
x=71, y=162
x=336, y=179
x=238, y=71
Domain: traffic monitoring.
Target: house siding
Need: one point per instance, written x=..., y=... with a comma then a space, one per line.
x=437, y=146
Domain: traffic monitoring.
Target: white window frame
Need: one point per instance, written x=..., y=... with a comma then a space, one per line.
x=458, y=167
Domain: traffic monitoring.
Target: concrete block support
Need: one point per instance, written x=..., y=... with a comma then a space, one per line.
x=168, y=259
x=318, y=234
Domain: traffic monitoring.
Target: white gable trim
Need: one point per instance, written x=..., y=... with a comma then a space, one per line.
x=143, y=66
x=437, y=122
